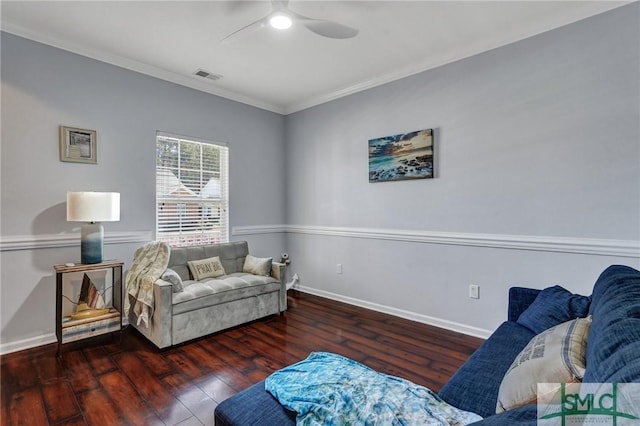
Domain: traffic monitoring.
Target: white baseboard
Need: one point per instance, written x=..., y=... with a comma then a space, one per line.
x=32, y=342
x=45, y=339
x=425, y=319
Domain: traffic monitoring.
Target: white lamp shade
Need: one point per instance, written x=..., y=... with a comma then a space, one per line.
x=93, y=206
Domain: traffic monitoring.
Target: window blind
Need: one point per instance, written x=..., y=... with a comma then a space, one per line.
x=192, y=191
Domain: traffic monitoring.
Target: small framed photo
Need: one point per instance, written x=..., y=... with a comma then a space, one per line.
x=78, y=145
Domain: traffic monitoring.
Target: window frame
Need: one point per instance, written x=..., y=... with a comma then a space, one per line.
x=186, y=192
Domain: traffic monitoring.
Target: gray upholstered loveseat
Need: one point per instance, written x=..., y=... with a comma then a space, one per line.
x=211, y=304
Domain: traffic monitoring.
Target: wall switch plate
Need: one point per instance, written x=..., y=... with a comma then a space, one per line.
x=339, y=268
x=474, y=291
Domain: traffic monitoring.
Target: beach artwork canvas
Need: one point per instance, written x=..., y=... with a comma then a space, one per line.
x=401, y=157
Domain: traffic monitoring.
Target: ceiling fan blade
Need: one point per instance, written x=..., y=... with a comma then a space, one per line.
x=329, y=28
x=246, y=30
x=325, y=28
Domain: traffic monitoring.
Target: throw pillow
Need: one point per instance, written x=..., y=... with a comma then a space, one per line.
x=206, y=268
x=257, y=265
x=555, y=356
x=553, y=306
x=172, y=276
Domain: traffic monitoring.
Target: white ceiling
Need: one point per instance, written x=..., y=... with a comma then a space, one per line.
x=286, y=71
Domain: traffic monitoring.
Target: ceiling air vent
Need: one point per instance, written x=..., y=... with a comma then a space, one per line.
x=206, y=74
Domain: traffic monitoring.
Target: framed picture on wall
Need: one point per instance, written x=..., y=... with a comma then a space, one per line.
x=78, y=145
x=401, y=157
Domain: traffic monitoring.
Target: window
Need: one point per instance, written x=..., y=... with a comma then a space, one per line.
x=192, y=196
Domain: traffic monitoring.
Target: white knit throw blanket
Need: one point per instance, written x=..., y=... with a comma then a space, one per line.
x=149, y=262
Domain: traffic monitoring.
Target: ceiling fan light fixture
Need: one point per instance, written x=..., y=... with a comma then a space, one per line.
x=280, y=21
x=281, y=17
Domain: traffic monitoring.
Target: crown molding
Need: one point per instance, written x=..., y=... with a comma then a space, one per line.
x=162, y=74
x=197, y=84
x=133, y=65
x=426, y=65
x=372, y=83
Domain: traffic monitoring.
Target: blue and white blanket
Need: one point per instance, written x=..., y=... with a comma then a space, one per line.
x=329, y=389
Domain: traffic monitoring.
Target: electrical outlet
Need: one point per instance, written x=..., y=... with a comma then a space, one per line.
x=339, y=268
x=474, y=291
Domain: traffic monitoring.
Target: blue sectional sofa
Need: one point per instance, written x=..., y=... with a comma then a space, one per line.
x=612, y=354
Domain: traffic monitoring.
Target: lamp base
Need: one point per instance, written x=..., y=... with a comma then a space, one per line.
x=91, y=239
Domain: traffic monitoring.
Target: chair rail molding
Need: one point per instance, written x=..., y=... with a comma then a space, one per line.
x=39, y=241
x=258, y=229
x=591, y=246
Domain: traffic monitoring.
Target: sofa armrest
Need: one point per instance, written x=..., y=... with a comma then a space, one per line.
x=519, y=299
x=162, y=283
x=278, y=271
x=161, y=321
x=474, y=386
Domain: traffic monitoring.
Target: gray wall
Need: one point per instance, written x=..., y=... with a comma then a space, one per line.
x=537, y=180
x=538, y=152
x=44, y=87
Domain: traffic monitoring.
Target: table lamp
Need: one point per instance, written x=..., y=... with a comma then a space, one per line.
x=92, y=207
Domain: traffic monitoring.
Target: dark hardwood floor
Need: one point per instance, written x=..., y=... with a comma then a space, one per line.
x=127, y=382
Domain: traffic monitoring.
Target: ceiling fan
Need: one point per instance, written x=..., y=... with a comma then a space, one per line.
x=281, y=17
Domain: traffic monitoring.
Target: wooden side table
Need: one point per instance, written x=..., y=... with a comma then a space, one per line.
x=107, y=278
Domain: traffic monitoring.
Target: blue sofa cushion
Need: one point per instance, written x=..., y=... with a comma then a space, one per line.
x=522, y=416
x=253, y=406
x=520, y=298
x=474, y=387
x=613, y=347
x=553, y=306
